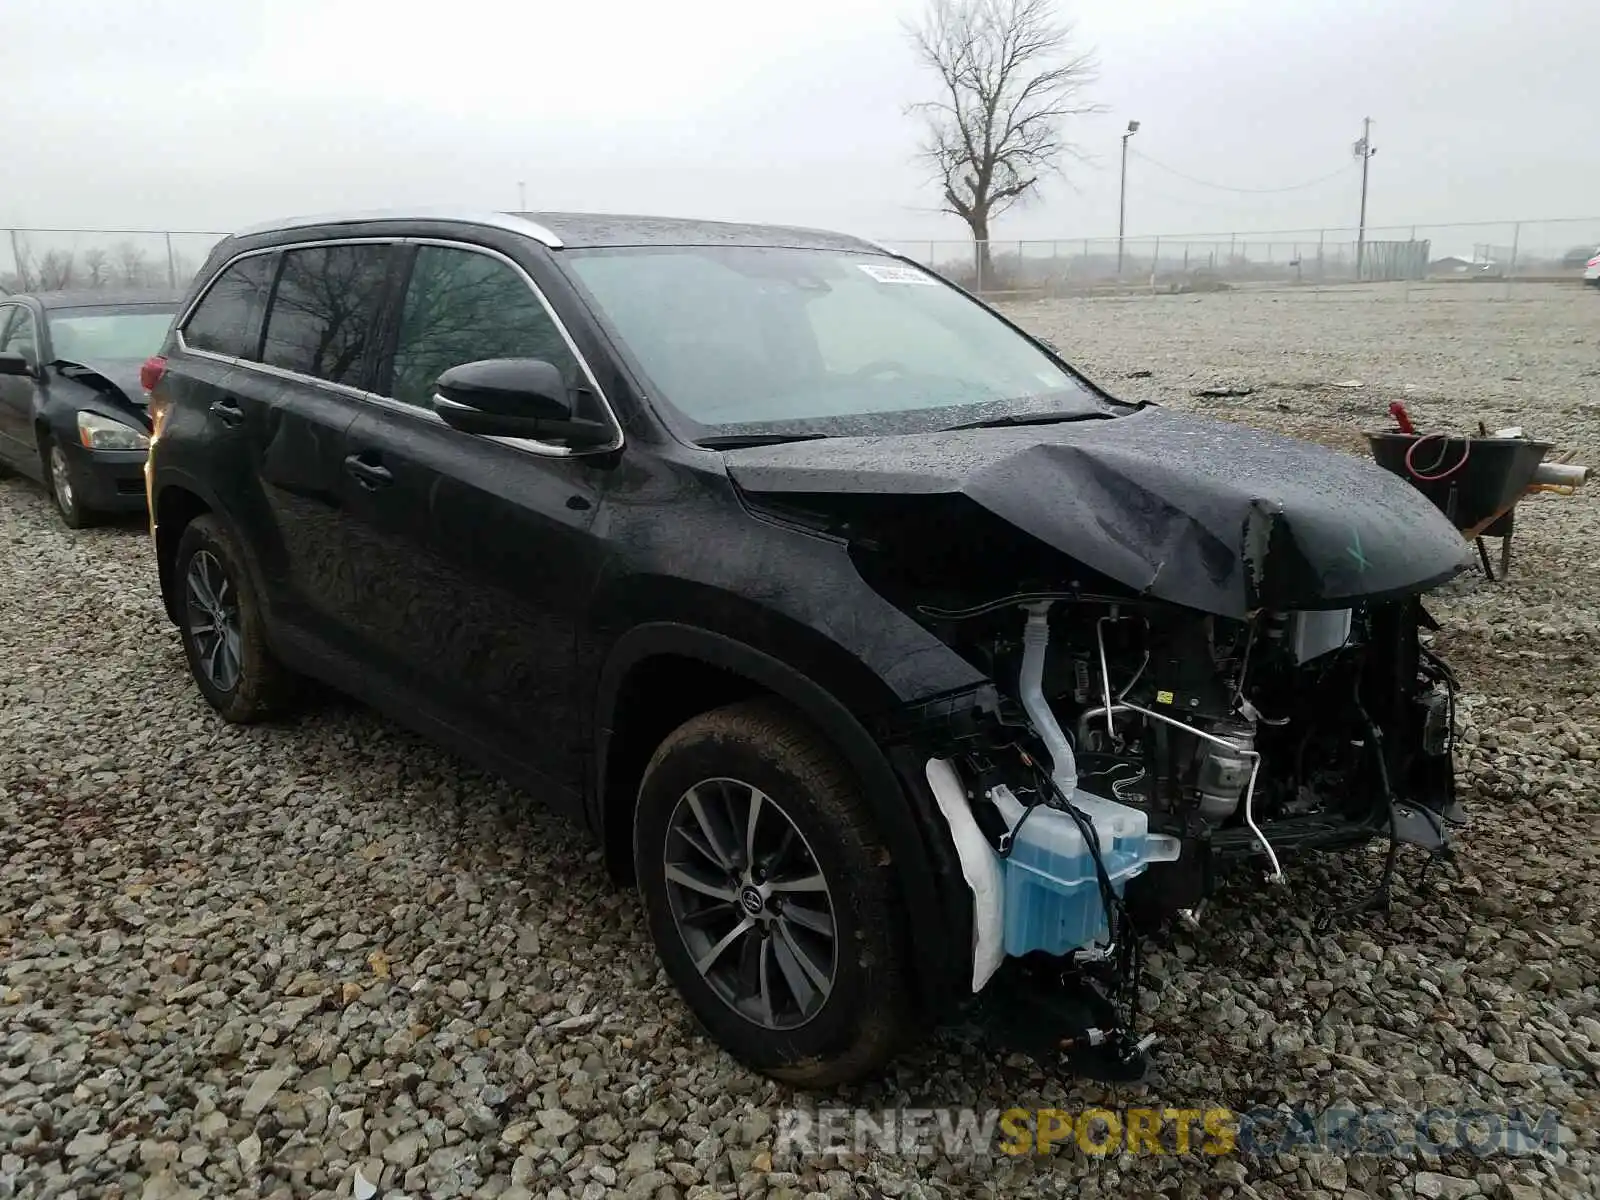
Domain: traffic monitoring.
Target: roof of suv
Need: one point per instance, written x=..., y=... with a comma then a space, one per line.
x=583, y=230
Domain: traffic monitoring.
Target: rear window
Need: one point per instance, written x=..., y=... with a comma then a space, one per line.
x=229, y=315
x=326, y=310
x=89, y=334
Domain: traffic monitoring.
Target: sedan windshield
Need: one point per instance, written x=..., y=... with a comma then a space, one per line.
x=103, y=332
x=768, y=341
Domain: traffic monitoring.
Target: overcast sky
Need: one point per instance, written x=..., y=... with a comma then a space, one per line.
x=211, y=114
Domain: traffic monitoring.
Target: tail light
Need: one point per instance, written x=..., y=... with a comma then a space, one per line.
x=150, y=377
x=150, y=374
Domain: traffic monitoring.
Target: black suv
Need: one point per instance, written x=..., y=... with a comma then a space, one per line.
x=792, y=570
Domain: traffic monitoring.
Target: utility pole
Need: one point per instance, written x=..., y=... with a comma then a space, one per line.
x=522, y=197
x=1122, y=198
x=1364, y=151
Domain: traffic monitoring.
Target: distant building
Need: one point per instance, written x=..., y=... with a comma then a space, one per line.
x=1450, y=265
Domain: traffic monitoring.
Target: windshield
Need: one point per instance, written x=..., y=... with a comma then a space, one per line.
x=90, y=334
x=768, y=340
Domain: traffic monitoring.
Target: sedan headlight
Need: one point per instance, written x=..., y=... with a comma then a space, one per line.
x=102, y=433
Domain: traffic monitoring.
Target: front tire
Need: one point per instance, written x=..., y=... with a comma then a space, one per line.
x=770, y=896
x=62, y=478
x=220, y=621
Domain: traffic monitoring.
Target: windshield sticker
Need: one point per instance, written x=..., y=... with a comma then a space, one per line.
x=888, y=273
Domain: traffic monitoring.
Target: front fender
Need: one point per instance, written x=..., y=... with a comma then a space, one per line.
x=697, y=574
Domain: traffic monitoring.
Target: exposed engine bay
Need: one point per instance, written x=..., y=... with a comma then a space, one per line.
x=1233, y=739
x=1267, y=736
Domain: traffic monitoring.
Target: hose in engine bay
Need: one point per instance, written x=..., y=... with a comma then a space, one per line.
x=1276, y=875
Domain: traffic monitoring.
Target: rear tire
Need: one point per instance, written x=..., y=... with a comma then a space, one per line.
x=61, y=477
x=224, y=636
x=815, y=989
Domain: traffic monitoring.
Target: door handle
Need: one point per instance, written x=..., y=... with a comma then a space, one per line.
x=227, y=412
x=368, y=475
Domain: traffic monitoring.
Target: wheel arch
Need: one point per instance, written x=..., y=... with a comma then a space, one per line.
x=43, y=434
x=176, y=507
x=722, y=670
x=177, y=500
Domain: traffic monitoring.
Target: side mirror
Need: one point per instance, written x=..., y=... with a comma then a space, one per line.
x=12, y=363
x=514, y=397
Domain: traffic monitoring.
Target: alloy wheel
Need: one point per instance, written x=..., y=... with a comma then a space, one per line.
x=213, y=620
x=61, y=479
x=751, y=903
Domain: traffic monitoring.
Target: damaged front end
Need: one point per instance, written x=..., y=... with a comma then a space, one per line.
x=1132, y=751
x=1189, y=666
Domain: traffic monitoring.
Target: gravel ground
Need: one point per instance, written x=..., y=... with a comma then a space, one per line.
x=322, y=956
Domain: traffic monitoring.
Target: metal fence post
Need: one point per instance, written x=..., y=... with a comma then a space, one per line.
x=172, y=271
x=1511, y=267
x=1411, y=258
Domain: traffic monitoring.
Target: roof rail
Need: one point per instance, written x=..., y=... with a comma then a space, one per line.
x=511, y=222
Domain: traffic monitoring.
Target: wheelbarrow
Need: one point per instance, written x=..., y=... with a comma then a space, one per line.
x=1475, y=481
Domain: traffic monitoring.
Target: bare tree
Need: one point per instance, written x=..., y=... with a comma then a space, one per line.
x=1010, y=78
x=97, y=265
x=132, y=263
x=57, y=270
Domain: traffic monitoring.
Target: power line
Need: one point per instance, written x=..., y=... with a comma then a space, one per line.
x=1220, y=204
x=1222, y=187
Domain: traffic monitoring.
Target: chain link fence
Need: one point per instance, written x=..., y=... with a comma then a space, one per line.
x=50, y=260
x=1427, y=257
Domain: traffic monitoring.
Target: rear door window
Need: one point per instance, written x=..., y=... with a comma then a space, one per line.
x=462, y=306
x=228, y=318
x=327, y=311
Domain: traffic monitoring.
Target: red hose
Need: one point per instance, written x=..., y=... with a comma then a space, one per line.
x=1422, y=477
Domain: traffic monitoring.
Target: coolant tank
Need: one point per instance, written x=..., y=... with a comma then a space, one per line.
x=1051, y=893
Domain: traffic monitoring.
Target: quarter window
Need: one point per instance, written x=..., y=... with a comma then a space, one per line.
x=326, y=311
x=462, y=306
x=18, y=337
x=228, y=319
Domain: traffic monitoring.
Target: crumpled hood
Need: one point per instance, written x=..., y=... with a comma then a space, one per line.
x=122, y=376
x=1203, y=513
